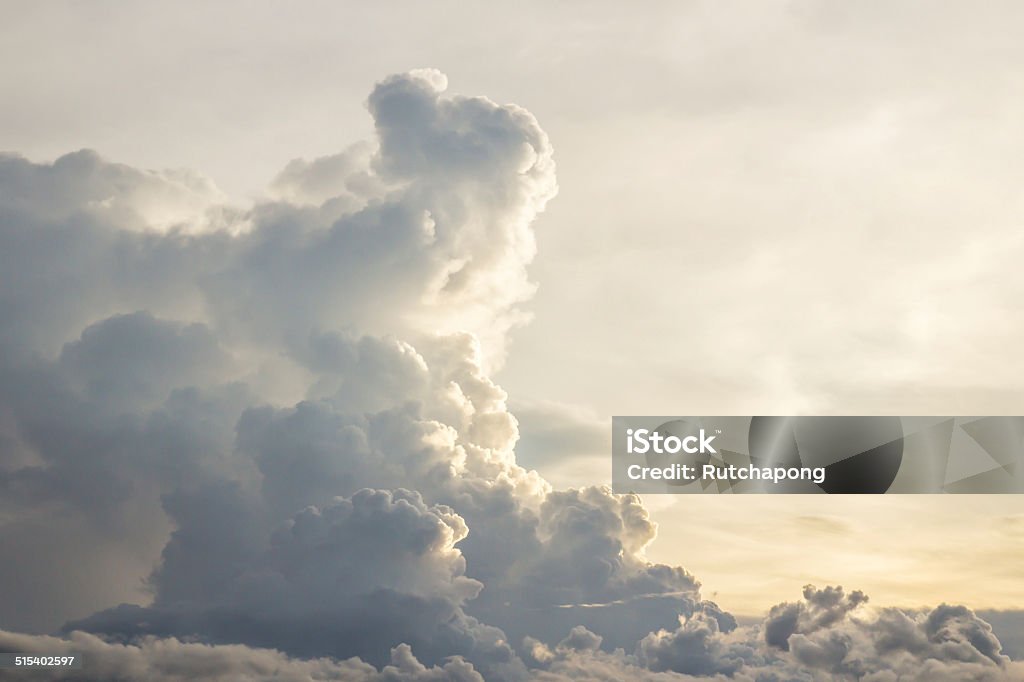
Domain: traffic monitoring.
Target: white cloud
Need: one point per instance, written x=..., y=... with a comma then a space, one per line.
x=383, y=507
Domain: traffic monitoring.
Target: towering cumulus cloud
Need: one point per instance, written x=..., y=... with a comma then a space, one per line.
x=261, y=443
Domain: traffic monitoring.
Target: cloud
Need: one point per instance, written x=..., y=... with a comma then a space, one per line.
x=135, y=360
x=819, y=609
x=437, y=241
x=171, y=660
x=833, y=632
x=345, y=181
x=82, y=183
x=843, y=640
x=356, y=577
x=694, y=648
x=267, y=440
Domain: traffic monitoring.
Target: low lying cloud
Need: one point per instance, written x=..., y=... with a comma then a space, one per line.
x=263, y=443
x=171, y=660
x=838, y=639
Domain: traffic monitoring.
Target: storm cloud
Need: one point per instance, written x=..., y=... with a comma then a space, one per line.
x=263, y=442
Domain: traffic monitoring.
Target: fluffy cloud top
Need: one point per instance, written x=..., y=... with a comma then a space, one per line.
x=262, y=443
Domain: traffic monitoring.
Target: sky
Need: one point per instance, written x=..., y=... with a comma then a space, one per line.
x=701, y=208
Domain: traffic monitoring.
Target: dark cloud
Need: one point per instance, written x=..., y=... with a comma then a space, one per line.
x=831, y=631
x=843, y=640
x=819, y=609
x=694, y=647
x=354, y=578
x=134, y=361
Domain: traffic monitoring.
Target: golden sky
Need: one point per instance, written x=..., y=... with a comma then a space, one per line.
x=902, y=550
